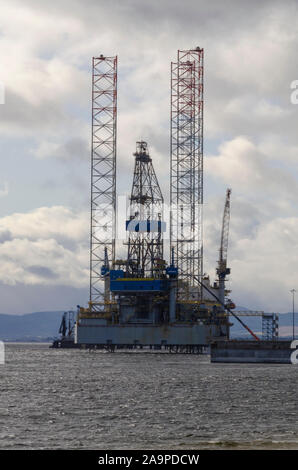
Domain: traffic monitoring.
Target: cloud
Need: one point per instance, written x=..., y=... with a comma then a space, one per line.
x=265, y=267
x=5, y=235
x=42, y=271
x=242, y=165
x=73, y=149
x=25, y=298
x=47, y=246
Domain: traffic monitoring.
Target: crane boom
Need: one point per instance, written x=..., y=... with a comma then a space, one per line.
x=223, y=251
x=222, y=269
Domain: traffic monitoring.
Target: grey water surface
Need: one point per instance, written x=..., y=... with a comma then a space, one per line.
x=76, y=399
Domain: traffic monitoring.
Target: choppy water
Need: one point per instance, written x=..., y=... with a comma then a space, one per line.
x=74, y=399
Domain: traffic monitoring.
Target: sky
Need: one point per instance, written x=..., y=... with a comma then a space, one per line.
x=250, y=136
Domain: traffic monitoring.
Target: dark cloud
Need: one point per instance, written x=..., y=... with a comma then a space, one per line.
x=42, y=271
x=74, y=149
x=5, y=236
x=19, y=114
x=39, y=298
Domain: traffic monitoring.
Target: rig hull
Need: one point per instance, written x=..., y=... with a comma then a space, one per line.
x=90, y=331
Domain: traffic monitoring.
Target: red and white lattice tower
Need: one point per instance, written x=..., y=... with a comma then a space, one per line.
x=103, y=173
x=187, y=169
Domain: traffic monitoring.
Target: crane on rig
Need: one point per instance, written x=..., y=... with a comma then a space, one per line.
x=222, y=269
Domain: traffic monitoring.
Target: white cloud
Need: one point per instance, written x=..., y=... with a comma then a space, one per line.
x=266, y=266
x=242, y=165
x=47, y=246
x=75, y=148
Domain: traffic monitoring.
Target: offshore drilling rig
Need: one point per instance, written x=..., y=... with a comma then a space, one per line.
x=141, y=300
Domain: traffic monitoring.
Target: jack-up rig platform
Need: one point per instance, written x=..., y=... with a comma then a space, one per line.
x=143, y=301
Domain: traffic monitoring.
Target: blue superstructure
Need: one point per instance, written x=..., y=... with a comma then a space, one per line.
x=123, y=285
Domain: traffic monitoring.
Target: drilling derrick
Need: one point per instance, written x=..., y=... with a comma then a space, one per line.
x=187, y=170
x=103, y=175
x=145, y=245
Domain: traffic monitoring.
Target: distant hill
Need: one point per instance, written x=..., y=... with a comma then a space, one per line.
x=30, y=327
x=42, y=326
